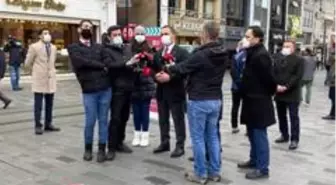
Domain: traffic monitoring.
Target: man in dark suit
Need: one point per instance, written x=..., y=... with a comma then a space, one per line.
x=3, y=97
x=171, y=95
x=257, y=87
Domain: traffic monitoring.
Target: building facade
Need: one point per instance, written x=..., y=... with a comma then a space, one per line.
x=23, y=20
x=188, y=16
x=308, y=22
x=277, y=31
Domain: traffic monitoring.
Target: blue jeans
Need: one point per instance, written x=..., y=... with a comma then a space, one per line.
x=141, y=114
x=15, y=76
x=96, y=107
x=203, y=125
x=259, y=152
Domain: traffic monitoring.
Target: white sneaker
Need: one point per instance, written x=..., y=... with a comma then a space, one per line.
x=136, y=138
x=144, y=139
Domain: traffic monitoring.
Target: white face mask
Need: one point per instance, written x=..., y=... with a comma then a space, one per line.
x=47, y=38
x=165, y=39
x=140, y=38
x=245, y=43
x=286, y=51
x=117, y=40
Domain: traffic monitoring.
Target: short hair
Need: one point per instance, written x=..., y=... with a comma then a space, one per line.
x=84, y=21
x=309, y=51
x=174, y=32
x=212, y=29
x=112, y=28
x=257, y=32
x=292, y=41
x=42, y=30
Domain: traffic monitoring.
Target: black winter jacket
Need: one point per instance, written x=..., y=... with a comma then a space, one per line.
x=122, y=77
x=2, y=64
x=288, y=72
x=144, y=86
x=258, y=87
x=89, y=67
x=17, y=53
x=205, y=69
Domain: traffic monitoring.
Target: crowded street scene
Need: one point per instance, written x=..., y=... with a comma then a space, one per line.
x=195, y=92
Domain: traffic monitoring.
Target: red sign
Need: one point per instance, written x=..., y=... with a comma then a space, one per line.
x=154, y=41
x=130, y=29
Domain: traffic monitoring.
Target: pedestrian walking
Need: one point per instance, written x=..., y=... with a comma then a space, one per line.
x=331, y=83
x=40, y=61
x=3, y=97
x=204, y=102
x=116, y=55
x=16, y=57
x=92, y=74
x=310, y=64
x=237, y=68
x=170, y=93
x=258, y=87
x=144, y=88
x=288, y=74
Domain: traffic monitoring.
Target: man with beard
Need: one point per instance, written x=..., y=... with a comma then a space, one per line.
x=170, y=92
x=118, y=57
x=92, y=74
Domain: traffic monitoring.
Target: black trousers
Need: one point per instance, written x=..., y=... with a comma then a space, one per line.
x=293, y=108
x=236, y=101
x=177, y=110
x=48, y=101
x=332, y=98
x=120, y=112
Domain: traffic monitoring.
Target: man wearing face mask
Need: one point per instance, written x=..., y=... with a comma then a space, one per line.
x=288, y=74
x=118, y=57
x=257, y=87
x=40, y=60
x=92, y=75
x=170, y=93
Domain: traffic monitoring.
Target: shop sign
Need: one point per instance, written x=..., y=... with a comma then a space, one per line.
x=46, y=4
x=234, y=32
x=186, y=27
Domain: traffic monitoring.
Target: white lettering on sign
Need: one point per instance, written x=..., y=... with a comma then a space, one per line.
x=189, y=26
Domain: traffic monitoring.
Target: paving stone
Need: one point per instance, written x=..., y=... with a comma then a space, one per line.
x=43, y=165
x=66, y=159
x=312, y=182
x=163, y=164
x=157, y=180
x=329, y=170
x=47, y=182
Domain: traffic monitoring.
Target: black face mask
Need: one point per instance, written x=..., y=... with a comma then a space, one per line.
x=86, y=33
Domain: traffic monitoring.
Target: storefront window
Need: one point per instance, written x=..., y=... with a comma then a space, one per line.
x=26, y=32
x=192, y=8
x=235, y=13
x=208, y=9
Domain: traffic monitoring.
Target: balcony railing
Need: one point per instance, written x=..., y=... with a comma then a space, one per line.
x=190, y=13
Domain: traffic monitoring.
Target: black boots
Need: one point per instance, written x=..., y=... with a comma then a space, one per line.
x=101, y=155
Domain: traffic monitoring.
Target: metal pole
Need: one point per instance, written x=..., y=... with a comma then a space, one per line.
x=126, y=17
x=324, y=41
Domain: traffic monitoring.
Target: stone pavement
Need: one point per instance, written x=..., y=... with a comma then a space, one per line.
x=56, y=158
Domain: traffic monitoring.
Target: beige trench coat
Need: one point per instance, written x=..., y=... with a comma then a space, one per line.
x=42, y=67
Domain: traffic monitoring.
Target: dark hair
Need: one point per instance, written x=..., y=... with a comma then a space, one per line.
x=292, y=41
x=42, y=30
x=170, y=28
x=104, y=38
x=257, y=32
x=309, y=51
x=212, y=29
x=84, y=21
x=112, y=28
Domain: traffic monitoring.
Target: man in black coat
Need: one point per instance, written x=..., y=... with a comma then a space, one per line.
x=170, y=93
x=118, y=56
x=3, y=97
x=288, y=73
x=257, y=87
x=92, y=74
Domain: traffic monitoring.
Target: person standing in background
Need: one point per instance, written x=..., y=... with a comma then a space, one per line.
x=237, y=68
x=144, y=90
x=331, y=83
x=93, y=77
x=308, y=74
x=3, y=97
x=288, y=74
x=40, y=60
x=17, y=56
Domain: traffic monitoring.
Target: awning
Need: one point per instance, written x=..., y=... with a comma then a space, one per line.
x=153, y=31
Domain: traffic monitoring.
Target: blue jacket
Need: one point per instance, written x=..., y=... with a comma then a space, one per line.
x=16, y=52
x=237, y=69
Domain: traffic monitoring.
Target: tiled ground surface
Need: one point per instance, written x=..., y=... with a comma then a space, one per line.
x=55, y=159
